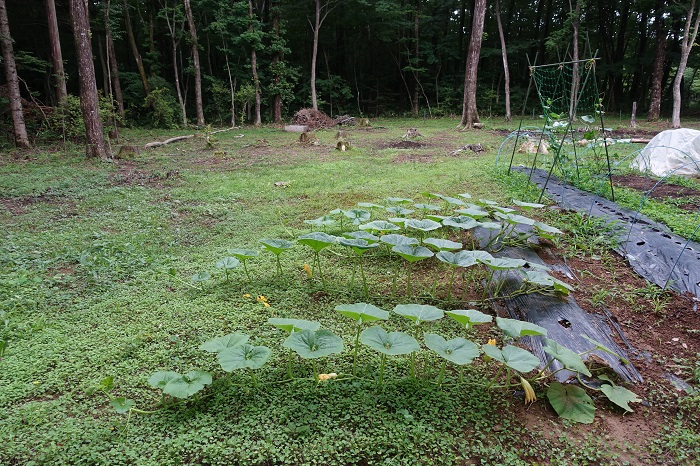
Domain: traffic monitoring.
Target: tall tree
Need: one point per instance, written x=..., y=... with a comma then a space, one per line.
x=195, y=63
x=321, y=13
x=278, y=50
x=254, y=62
x=56, y=55
x=8, y=56
x=470, y=114
x=113, y=67
x=504, y=53
x=658, y=67
x=89, y=103
x=134, y=48
x=172, y=15
x=690, y=33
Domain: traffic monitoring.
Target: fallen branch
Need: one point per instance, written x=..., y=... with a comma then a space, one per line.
x=167, y=141
x=225, y=129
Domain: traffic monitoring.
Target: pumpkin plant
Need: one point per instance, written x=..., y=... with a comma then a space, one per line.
x=360, y=313
x=388, y=344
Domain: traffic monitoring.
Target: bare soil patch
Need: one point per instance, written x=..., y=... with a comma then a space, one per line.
x=128, y=174
x=20, y=205
x=662, y=191
x=402, y=145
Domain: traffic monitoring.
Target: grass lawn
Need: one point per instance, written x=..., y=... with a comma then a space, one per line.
x=96, y=267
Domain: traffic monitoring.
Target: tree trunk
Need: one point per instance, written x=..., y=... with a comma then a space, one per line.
x=689, y=36
x=506, y=73
x=134, y=48
x=89, y=104
x=174, y=43
x=470, y=115
x=314, y=54
x=116, y=85
x=659, y=59
x=56, y=55
x=103, y=65
x=8, y=57
x=195, y=63
x=254, y=67
x=276, y=60
x=415, y=60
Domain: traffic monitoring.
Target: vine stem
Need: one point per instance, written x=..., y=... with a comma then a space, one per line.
x=364, y=281
x=289, y=365
x=442, y=371
x=449, y=288
x=357, y=347
x=408, y=281
x=313, y=364
x=245, y=269
x=381, y=369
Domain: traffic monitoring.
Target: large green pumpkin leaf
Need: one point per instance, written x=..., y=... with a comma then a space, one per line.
x=571, y=402
x=309, y=344
x=362, y=312
x=419, y=312
x=161, y=378
x=122, y=405
x=412, y=253
x=503, y=263
x=294, y=325
x=461, y=222
x=469, y=317
x=357, y=215
x=317, y=240
x=276, y=246
x=442, y=244
x=360, y=234
x=227, y=263
x=458, y=350
x=244, y=356
x=620, y=396
x=379, y=226
x=222, y=343
x=512, y=356
x=518, y=328
x=395, y=240
x=188, y=384
x=422, y=225
x=392, y=344
x=571, y=360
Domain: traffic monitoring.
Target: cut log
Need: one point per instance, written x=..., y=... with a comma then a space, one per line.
x=296, y=128
x=167, y=141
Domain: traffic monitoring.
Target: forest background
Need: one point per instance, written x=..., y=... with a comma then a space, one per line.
x=167, y=63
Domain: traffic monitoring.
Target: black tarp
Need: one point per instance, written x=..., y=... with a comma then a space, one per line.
x=651, y=249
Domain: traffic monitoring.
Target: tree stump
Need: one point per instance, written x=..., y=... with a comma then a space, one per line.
x=307, y=139
x=128, y=152
x=343, y=145
x=411, y=133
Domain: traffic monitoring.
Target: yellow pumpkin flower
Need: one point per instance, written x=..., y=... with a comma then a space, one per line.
x=492, y=341
x=266, y=304
x=530, y=396
x=247, y=295
x=323, y=377
x=309, y=272
x=261, y=299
